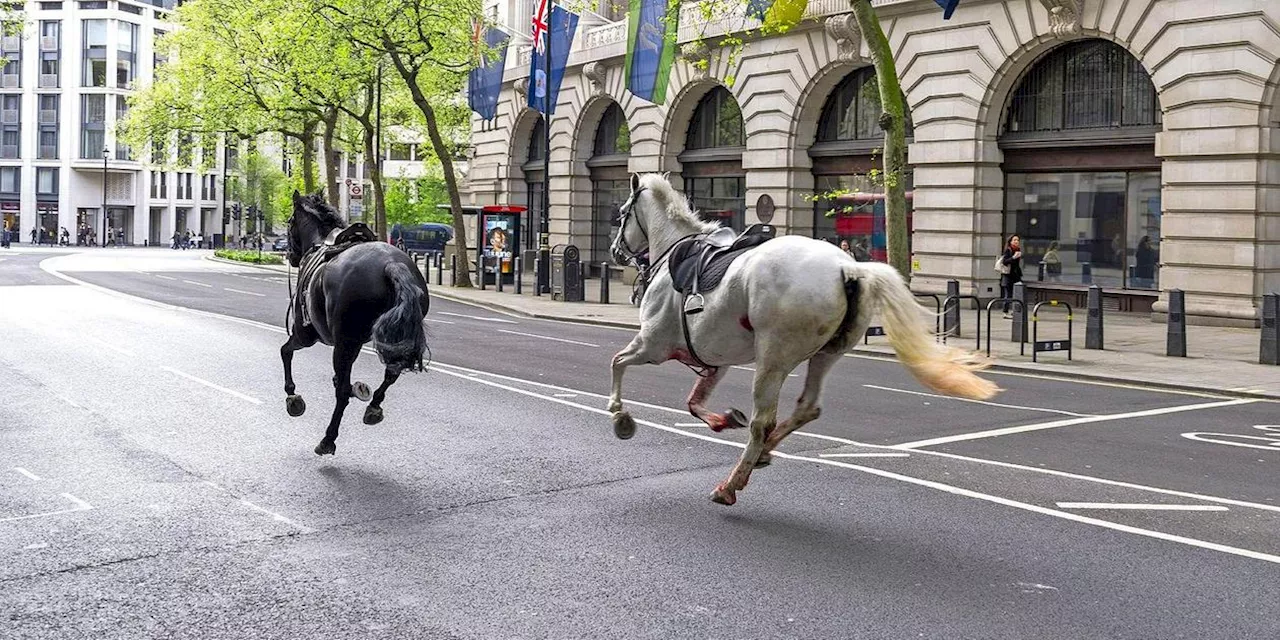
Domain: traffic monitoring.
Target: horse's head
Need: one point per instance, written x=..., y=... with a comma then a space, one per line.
x=311, y=221
x=654, y=216
x=632, y=239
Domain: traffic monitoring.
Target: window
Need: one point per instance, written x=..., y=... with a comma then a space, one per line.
x=158, y=56
x=186, y=145
x=858, y=217
x=46, y=181
x=351, y=165
x=10, y=179
x=123, y=152
x=719, y=199
x=612, y=136
x=11, y=52
x=399, y=151
x=128, y=8
x=159, y=184
x=160, y=151
x=50, y=6
x=47, y=119
x=95, y=53
x=538, y=140
x=717, y=122
x=93, y=120
x=209, y=150
x=1090, y=84
x=126, y=54
x=93, y=4
x=1087, y=227
x=50, y=52
x=10, y=126
x=852, y=111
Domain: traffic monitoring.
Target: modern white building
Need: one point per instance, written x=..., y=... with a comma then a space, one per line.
x=62, y=92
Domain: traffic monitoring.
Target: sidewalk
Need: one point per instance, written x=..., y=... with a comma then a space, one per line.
x=1220, y=359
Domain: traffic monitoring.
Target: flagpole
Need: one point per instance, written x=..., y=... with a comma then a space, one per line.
x=544, y=225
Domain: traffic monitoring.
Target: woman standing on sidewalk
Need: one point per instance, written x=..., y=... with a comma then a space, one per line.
x=1010, y=270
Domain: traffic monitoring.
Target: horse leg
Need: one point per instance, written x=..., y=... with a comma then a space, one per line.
x=373, y=413
x=344, y=355
x=765, y=390
x=624, y=426
x=807, y=409
x=731, y=419
x=301, y=339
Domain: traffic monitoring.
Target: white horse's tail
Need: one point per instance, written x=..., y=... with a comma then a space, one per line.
x=944, y=369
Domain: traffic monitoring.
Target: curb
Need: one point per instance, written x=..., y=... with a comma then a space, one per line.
x=1004, y=367
x=265, y=267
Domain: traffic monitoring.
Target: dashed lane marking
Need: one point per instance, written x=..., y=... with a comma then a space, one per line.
x=81, y=505
x=216, y=387
x=438, y=321
x=198, y=284
x=27, y=473
x=992, y=433
x=869, y=454
x=1141, y=507
x=108, y=345
x=247, y=293
x=534, y=335
x=163, y=277
x=982, y=402
x=482, y=318
x=753, y=370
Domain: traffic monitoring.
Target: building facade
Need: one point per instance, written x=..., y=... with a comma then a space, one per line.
x=1133, y=144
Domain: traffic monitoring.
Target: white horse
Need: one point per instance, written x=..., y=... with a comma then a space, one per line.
x=789, y=300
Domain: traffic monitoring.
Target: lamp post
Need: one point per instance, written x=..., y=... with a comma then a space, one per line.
x=225, y=157
x=105, y=154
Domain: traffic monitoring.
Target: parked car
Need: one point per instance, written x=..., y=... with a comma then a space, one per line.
x=280, y=244
x=429, y=237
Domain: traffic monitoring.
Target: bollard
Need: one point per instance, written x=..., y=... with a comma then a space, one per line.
x=519, y=269
x=480, y=271
x=1093, y=324
x=1270, y=350
x=453, y=270
x=497, y=273
x=1040, y=272
x=951, y=315
x=1176, y=344
x=439, y=270
x=604, y=283
x=1019, y=328
x=1086, y=273
x=537, y=277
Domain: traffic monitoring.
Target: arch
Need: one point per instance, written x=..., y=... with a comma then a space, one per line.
x=677, y=122
x=524, y=178
x=601, y=180
x=711, y=171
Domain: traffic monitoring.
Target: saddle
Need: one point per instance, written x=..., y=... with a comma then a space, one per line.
x=698, y=263
x=338, y=240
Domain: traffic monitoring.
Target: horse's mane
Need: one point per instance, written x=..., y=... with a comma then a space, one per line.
x=325, y=214
x=675, y=204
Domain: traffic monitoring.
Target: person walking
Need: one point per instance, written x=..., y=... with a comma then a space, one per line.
x=33, y=236
x=1010, y=268
x=4, y=236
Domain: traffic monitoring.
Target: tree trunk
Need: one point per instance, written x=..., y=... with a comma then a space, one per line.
x=463, y=260
x=893, y=122
x=375, y=176
x=309, y=156
x=330, y=121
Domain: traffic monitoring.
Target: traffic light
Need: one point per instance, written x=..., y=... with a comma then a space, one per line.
x=235, y=211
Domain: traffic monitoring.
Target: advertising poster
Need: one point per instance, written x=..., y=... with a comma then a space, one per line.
x=499, y=238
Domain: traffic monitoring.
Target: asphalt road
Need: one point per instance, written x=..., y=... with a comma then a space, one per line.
x=155, y=487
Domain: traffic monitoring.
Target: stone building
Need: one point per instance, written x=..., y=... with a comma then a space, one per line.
x=1133, y=144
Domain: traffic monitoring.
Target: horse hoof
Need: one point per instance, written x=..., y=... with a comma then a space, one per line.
x=295, y=405
x=736, y=419
x=326, y=448
x=373, y=415
x=361, y=391
x=764, y=460
x=723, y=496
x=624, y=426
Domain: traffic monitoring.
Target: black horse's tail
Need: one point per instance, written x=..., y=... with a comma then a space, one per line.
x=398, y=334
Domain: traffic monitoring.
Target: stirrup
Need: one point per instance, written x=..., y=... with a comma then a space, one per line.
x=693, y=304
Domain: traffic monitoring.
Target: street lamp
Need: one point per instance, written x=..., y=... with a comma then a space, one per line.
x=105, y=154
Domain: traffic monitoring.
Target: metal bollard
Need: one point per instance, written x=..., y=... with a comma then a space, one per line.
x=1176, y=343
x=519, y=268
x=1093, y=324
x=1040, y=272
x=439, y=269
x=1019, y=330
x=537, y=277
x=1086, y=273
x=453, y=270
x=604, y=283
x=480, y=271
x=1270, y=349
x=497, y=273
x=951, y=315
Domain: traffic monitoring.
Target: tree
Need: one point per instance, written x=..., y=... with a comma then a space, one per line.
x=263, y=181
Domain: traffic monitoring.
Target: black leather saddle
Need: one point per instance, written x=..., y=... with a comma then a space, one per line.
x=338, y=240
x=697, y=264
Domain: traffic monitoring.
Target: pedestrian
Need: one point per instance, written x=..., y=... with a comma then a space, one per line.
x=1010, y=267
x=110, y=240
x=4, y=236
x=1052, y=262
x=34, y=236
x=844, y=246
x=120, y=237
x=174, y=246
x=66, y=237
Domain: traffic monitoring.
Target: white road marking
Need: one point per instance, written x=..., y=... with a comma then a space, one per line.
x=752, y=369
x=163, y=277
x=439, y=321
x=247, y=293
x=463, y=315
x=565, y=395
x=534, y=335
x=946, y=488
x=274, y=515
x=81, y=505
x=874, y=454
x=26, y=473
x=983, y=402
x=1071, y=422
x=198, y=284
x=1141, y=507
x=1272, y=441
x=104, y=343
x=211, y=385
x=689, y=424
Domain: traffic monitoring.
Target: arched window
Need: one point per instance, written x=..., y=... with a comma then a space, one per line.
x=1091, y=84
x=712, y=160
x=852, y=111
x=610, y=184
x=1082, y=181
x=535, y=183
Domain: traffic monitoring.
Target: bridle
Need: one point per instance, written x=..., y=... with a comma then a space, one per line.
x=625, y=215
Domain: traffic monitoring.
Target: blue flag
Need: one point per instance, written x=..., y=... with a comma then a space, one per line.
x=948, y=7
x=651, y=47
x=562, y=26
x=484, y=83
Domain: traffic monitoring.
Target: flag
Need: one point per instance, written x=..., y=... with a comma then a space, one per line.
x=539, y=29
x=948, y=7
x=484, y=83
x=777, y=14
x=561, y=25
x=651, y=48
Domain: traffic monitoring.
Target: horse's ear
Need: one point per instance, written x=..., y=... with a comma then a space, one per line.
x=320, y=194
x=635, y=182
x=296, y=197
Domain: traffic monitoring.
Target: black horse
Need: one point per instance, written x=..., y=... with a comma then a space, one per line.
x=351, y=289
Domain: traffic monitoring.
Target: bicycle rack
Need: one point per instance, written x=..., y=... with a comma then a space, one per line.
x=977, y=317
x=1022, y=346
x=876, y=330
x=1049, y=345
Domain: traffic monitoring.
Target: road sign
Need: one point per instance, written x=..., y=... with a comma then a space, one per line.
x=357, y=191
x=356, y=209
